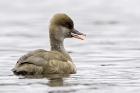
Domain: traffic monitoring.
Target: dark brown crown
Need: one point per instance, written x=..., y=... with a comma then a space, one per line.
x=62, y=20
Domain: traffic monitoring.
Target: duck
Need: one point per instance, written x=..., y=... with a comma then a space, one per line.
x=55, y=61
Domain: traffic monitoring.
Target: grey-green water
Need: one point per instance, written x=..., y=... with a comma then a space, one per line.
x=107, y=61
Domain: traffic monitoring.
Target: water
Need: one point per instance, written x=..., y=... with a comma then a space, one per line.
x=107, y=60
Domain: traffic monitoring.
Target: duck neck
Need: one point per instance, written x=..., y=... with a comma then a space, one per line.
x=57, y=45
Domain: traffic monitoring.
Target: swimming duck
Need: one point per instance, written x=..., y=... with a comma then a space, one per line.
x=55, y=61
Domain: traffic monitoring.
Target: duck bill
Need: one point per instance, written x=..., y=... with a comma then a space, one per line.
x=76, y=34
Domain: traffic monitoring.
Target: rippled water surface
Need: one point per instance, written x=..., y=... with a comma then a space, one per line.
x=107, y=61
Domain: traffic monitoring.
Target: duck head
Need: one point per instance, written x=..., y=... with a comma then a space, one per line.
x=62, y=26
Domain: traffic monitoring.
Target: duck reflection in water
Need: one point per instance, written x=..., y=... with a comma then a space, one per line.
x=54, y=79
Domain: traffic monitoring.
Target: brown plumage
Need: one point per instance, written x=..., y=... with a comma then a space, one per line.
x=56, y=61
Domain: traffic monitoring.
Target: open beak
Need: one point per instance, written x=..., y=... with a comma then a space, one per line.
x=75, y=34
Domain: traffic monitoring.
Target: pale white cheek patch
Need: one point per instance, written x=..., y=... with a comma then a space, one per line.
x=65, y=31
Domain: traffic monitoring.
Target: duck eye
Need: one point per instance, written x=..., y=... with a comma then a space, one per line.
x=67, y=26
